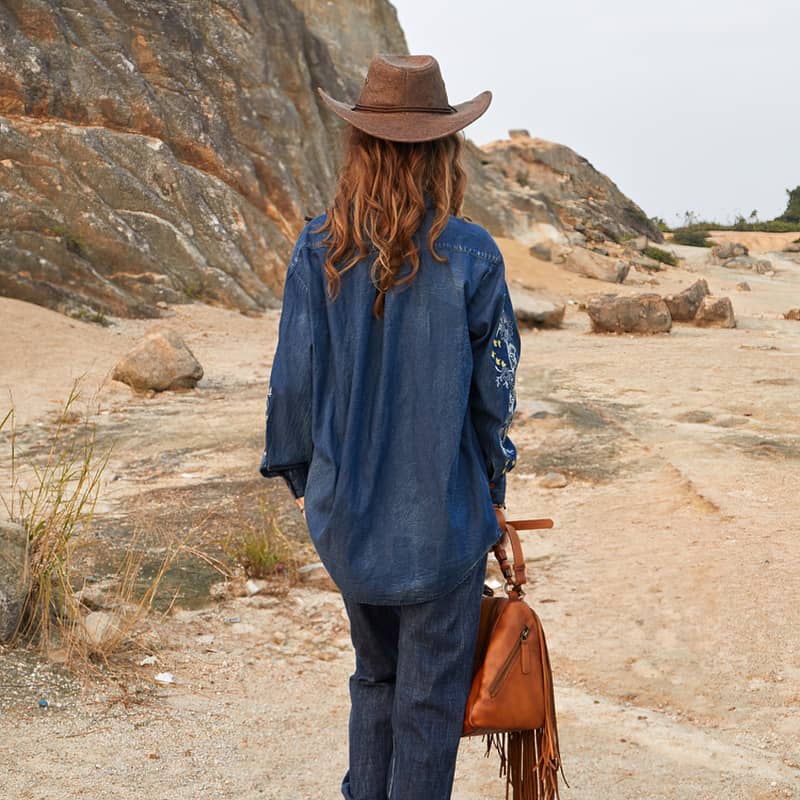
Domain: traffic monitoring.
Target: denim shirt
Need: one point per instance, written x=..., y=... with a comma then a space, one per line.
x=393, y=429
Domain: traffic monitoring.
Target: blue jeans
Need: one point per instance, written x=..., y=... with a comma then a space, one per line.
x=408, y=692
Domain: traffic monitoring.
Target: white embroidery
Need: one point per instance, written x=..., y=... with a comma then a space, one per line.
x=504, y=355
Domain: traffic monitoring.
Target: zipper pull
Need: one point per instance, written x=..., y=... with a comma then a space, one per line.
x=524, y=651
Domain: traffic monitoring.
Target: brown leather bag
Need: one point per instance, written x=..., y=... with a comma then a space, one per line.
x=511, y=702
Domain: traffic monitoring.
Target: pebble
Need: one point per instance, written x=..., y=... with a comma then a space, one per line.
x=553, y=480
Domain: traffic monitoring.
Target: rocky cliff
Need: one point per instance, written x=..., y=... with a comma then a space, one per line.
x=169, y=151
x=581, y=197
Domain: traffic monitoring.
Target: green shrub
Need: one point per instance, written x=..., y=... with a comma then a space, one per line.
x=692, y=236
x=664, y=256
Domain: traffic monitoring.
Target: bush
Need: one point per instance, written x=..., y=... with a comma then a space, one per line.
x=692, y=236
x=664, y=256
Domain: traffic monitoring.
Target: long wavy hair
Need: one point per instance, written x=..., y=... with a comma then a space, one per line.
x=379, y=205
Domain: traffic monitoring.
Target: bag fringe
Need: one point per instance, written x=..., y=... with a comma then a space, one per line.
x=531, y=760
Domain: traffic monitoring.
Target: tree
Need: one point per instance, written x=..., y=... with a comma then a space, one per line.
x=792, y=213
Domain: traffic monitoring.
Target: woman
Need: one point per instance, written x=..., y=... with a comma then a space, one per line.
x=390, y=400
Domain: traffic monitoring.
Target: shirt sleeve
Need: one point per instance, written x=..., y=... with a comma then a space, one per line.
x=288, y=443
x=495, y=350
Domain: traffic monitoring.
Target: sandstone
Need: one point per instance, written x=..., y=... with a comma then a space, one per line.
x=594, y=265
x=161, y=361
x=715, y=312
x=533, y=310
x=641, y=313
x=14, y=576
x=683, y=305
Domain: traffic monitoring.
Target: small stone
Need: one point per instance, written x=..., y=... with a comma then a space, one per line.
x=101, y=627
x=255, y=586
x=553, y=480
x=744, y=286
x=793, y=314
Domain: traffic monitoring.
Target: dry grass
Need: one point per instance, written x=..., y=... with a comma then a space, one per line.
x=54, y=497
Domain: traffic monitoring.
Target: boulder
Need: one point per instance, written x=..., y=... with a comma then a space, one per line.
x=792, y=247
x=715, y=312
x=14, y=576
x=722, y=252
x=683, y=305
x=593, y=265
x=161, y=361
x=793, y=314
x=760, y=265
x=534, y=311
x=640, y=313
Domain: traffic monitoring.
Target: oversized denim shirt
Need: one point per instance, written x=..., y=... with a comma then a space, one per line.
x=395, y=430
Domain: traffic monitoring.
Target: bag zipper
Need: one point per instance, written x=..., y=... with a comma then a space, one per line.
x=495, y=685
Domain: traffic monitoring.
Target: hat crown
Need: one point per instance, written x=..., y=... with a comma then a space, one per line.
x=404, y=82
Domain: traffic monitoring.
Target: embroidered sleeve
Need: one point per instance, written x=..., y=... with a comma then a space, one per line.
x=496, y=349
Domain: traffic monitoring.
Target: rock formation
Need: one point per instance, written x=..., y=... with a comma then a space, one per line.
x=582, y=198
x=169, y=152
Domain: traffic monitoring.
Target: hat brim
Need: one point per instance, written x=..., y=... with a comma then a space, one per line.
x=410, y=126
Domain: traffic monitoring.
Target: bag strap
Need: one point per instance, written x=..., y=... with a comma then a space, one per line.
x=514, y=574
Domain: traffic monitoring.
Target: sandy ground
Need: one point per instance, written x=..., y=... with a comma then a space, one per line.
x=668, y=588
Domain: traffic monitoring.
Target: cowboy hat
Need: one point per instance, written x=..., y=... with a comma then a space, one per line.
x=404, y=99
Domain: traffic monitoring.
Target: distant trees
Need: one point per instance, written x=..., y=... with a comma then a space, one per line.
x=792, y=213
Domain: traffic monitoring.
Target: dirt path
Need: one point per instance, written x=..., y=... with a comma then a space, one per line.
x=668, y=587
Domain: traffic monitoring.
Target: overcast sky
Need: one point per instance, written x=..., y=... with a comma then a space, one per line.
x=685, y=105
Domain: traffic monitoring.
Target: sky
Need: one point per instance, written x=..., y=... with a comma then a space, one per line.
x=688, y=105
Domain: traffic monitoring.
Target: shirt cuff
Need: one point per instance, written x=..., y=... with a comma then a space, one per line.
x=294, y=475
x=497, y=490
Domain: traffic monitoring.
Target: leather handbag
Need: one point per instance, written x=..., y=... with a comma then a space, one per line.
x=511, y=702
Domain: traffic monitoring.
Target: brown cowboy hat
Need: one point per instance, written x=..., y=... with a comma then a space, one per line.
x=404, y=99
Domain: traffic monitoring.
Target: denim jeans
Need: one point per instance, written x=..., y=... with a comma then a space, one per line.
x=408, y=692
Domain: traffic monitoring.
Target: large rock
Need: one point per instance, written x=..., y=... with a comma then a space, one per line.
x=14, y=576
x=594, y=265
x=161, y=361
x=722, y=252
x=534, y=311
x=793, y=314
x=792, y=247
x=683, y=305
x=715, y=312
x=640, y=313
